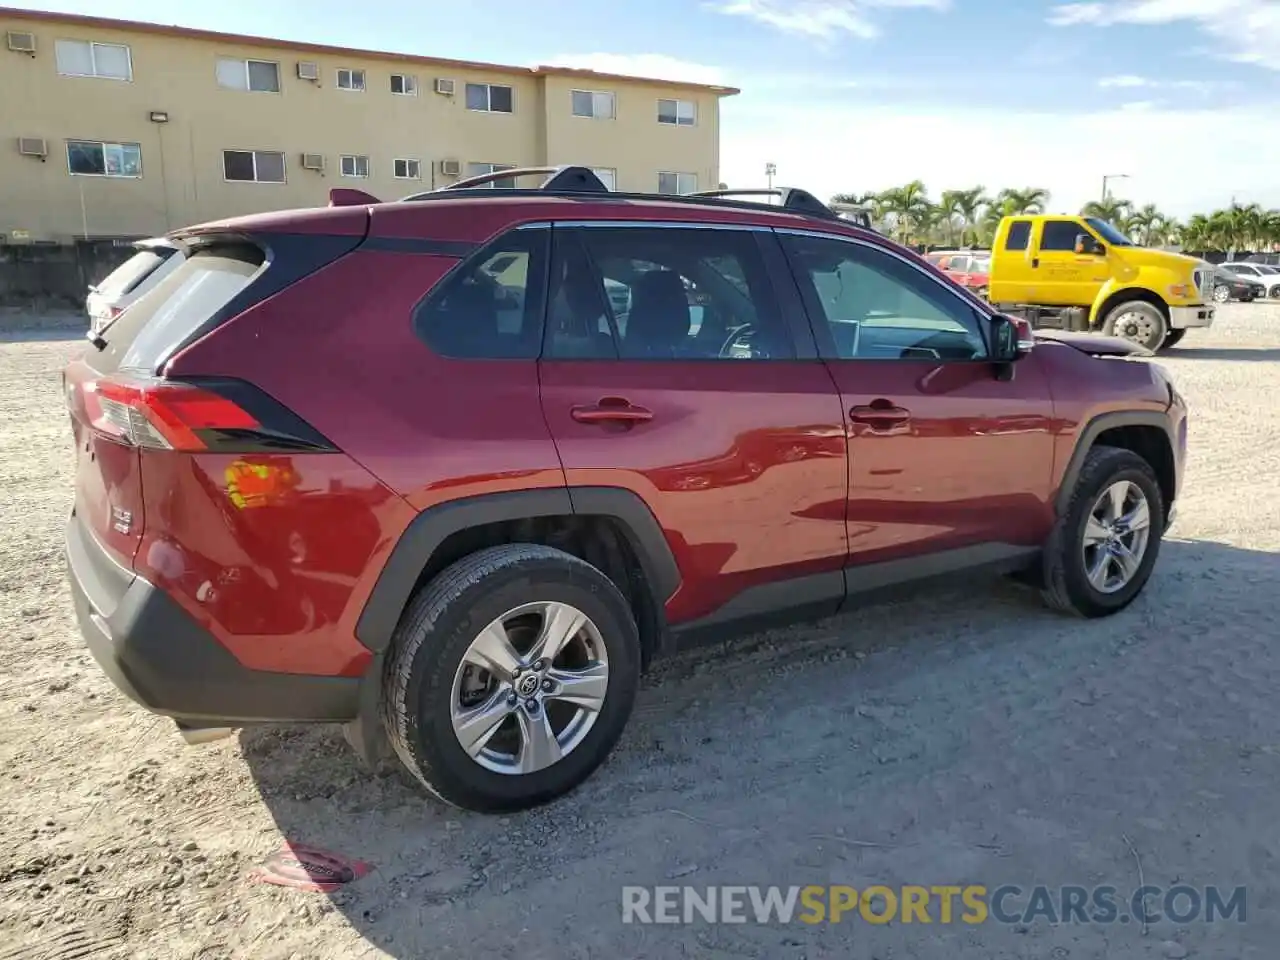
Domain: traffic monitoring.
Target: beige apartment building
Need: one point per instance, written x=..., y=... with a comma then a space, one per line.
x=120, y=129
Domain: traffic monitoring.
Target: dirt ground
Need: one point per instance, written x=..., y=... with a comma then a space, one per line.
x=964, y=736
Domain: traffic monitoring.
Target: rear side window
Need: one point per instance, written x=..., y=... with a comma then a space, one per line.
x=1019, y=234
x=490, y=308
x=125, y=278
x=148, y=332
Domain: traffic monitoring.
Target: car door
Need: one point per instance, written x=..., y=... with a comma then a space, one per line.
x=1064, y=277
x=1013, y=279
x=671, y=368
x=946, y=459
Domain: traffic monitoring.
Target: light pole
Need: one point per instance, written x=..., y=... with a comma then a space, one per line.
x=769, y=170
x=1111, y=176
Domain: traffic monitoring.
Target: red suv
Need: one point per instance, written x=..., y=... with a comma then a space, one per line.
x=453, y=470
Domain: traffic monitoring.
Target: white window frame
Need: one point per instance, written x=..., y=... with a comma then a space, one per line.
x=351, y=73
x=284, y=167
x=693, y=105
x=613, y=105
x=613, y=176
x=93, y=59
x=406, y=161
x=489, y=97
x=248, y=88
x=410, y=79
x=492, y=168
x=355, y=159
x=677, y=174
x=104, y=144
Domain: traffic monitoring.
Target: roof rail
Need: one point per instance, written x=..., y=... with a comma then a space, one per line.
x=561, y=179
x=793, y=199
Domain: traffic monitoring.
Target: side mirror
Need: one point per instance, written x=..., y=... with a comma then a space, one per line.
x=1011, y=338
x=1086, y=244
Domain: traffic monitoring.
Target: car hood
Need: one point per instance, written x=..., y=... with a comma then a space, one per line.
x=1094, y=344
x=1146, y=257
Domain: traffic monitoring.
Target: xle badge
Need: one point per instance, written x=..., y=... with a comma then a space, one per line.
x=121, y=520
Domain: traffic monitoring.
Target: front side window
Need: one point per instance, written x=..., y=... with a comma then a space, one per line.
x=1060, y=235
x=354, y=166
x=1019, y=235
x=489, y=98
x=480, y=169
x=490, y=308
x=90, y=158
x=678, y=113
x=674, y=184
x=646, y=293
x=258, y=76
x=253, y=166
x=84, y=58
x=594, y=104
x=878, y=307
x=351, y=80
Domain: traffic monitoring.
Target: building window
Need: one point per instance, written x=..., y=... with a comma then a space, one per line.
x=407, y=169
x=83, y=58
x=489, y=98
x=404, y=85
x=351, y=80
x=608, y=176
x=253, y=166
x=593, y=104
x=677, y=183
x=352, y=166
x=678, y=113
x=479, y=169
x=90, y=158
x=260, y=76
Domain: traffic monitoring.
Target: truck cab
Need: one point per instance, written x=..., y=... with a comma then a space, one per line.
x=1081, y=273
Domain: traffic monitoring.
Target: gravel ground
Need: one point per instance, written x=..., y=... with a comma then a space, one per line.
x=967, y=736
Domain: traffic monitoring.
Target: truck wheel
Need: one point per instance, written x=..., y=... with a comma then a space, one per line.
x=1138, y=321
x=1173, y=338
x=1104, y=546
x=513, y=674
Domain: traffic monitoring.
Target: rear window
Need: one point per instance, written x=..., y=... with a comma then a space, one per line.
x=126, y=277
x=1019, y=234
x=161, y=321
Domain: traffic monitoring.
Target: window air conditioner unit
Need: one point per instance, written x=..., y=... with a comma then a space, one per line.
x=445, y=87
x=313, y=161
x=308, y=70
x=32, y=147
x=21, y=42
x=451, y=168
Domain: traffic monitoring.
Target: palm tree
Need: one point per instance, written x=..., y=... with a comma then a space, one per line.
x=909, y=206
x=1024, y=200
x=969, y=203
x=1197, y=234
x=1148, y=224
x=1112, y=209
x=948, y=211
x=870, y=200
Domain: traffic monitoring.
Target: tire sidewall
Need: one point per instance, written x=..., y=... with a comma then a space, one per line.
x=427, y=698
x=1094, y=600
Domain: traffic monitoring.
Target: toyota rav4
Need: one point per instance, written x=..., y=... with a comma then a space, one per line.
x=453, y=470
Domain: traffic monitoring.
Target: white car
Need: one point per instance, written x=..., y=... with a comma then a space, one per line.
x=1264, y=273
x=154, y=260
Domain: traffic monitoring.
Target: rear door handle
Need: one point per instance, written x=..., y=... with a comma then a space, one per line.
x=880, y=414
x=1035, y=261
x=611, y=410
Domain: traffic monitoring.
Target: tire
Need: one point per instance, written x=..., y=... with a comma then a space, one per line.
x=425, y=669
x=1173, y=337
x=1221, y=294
x=1067, y=586
x=1274, y=292
x=1138, y=322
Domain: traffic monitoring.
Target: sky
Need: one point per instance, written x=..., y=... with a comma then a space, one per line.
x=1182, y=96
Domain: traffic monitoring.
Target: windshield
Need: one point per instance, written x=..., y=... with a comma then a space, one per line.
x=1108, y=232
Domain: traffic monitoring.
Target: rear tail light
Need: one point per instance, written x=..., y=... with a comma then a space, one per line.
x=222, y=416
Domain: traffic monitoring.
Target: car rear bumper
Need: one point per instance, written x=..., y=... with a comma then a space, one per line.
x=160, y=657
x=1186, y=317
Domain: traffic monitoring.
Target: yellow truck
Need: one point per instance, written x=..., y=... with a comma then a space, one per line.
x=1082, y=274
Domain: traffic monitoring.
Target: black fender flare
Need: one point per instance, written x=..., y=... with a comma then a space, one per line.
x=1088, y=436
x=430, y=528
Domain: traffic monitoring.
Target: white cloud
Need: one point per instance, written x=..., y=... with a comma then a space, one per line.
x=821, y=19
x=1247, y=31
x=855, y=148
x=1124, y=80
x=657, y=66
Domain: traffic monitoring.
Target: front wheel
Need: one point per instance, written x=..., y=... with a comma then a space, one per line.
x=1173, y=337
x=1104, y=546
x=1139, y=322
x=1274, y=292
x=514, y=673
x=1221, y=294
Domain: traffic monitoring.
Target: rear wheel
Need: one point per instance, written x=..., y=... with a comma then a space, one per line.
x=1138, y=321
x=513, y=675
x=1274, y=292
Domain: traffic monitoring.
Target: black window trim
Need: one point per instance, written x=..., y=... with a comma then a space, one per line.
x=820, y=327
x=784, y=296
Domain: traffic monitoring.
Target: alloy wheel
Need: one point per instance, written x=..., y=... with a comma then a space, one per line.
x=1116, y=535
x=1221, y=294
x=530, y=687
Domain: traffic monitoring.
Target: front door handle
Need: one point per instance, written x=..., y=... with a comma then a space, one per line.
x=880, y=414
x=1035, y=261
x=611, y=410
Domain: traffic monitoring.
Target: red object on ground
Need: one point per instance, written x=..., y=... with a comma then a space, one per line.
x=310, y=868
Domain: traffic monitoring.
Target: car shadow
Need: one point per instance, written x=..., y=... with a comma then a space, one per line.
x=448, y=882
x=1224, y=353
